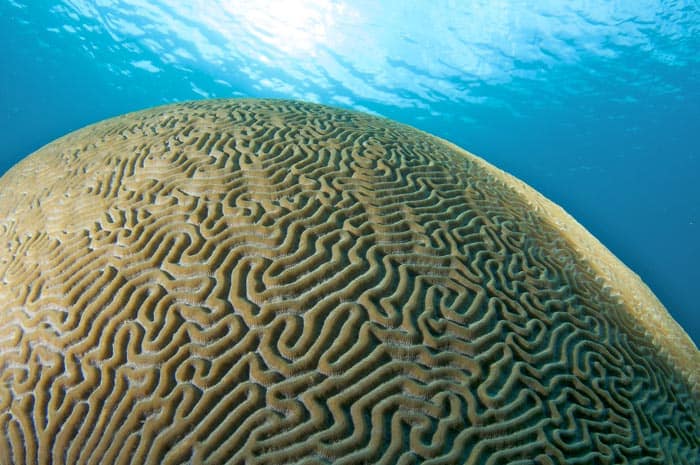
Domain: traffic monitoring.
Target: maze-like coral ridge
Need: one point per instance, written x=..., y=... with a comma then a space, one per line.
x=274, y=282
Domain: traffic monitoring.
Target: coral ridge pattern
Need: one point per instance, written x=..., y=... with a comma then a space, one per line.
x=276, y=282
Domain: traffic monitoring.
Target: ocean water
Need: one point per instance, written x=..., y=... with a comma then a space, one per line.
x=594, y=103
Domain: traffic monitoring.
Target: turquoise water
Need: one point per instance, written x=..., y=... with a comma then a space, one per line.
x=596, y=104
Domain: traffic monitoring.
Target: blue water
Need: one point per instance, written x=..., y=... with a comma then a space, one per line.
x=594, y=103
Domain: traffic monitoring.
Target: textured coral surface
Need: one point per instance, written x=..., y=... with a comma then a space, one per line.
x=251, y=281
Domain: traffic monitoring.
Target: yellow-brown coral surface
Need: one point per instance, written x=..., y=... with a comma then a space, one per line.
x=260, y=281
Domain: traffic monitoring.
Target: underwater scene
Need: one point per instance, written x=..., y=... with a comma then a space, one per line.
x=349, y=232
x=595, y=104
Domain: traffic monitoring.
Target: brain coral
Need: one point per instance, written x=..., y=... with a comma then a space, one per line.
x=253, y=281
